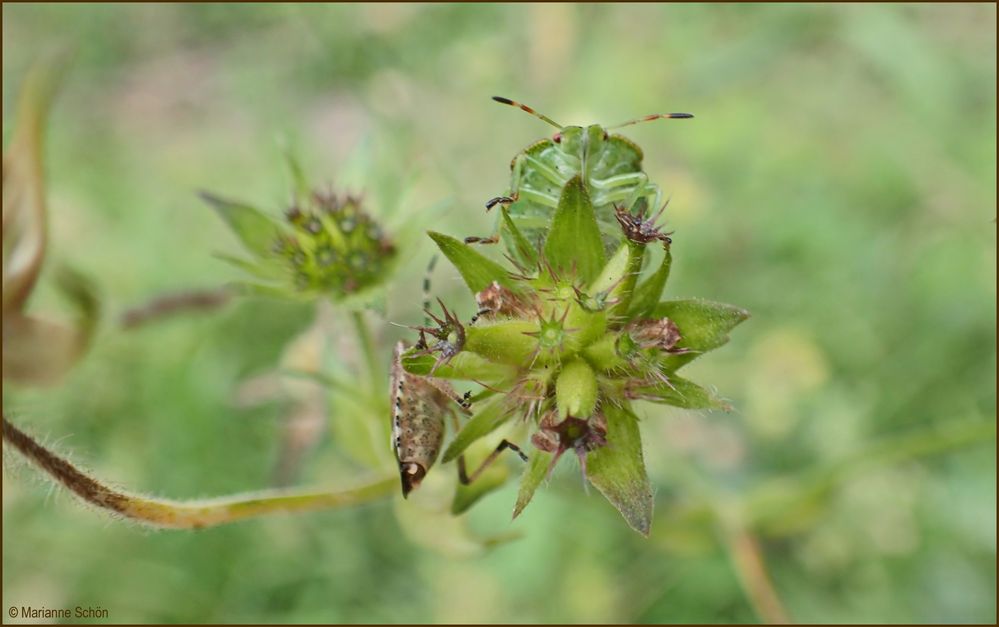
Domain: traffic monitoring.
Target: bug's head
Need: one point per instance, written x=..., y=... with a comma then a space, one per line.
x=412, y=475
x=570, y=138
x=579, y=140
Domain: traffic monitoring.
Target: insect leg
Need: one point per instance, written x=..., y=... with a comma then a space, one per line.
x=539, y=197
x=502, y=200
x=499, y=200
x=474, y=239
x=494, y=238
x=659, y=198
x=515, y=176
x=547, y=172
x=479, y=314
x=614, y=196
x=518, y=165
x=516, y=182
x=645, y=191
x=466, y=478
x=637, y=182
x=629, y=195
x=632, y=178
x=463, y=475
x=464, y=401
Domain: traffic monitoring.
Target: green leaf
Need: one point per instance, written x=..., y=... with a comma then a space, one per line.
x=618, y=469
x=683, y=393
x=650, y=291
x=492, y=414
x=704, y=326
x=522, y=245
x=255, y=230
x=574, y=239
x=533, y=475
x=478, y=271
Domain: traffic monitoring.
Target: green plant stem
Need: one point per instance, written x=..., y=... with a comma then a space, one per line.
x=738, y=540
x=169, y=514
x=368, y=349
x=750, y=567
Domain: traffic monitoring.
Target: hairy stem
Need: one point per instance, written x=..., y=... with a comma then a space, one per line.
x=190, y=514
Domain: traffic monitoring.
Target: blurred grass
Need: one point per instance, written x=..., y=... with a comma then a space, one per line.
x=838, y=182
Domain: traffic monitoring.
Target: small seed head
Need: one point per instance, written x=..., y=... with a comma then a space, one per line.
x=327, y=251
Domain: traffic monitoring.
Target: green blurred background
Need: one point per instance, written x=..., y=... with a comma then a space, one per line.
x=839, y=181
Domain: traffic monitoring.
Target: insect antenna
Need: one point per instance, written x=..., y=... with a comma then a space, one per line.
x=654, y=116
x=426, y=288
x=422, y=342
x=524, y=107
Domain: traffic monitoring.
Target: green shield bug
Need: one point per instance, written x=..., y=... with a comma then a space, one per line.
x=610, y=165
